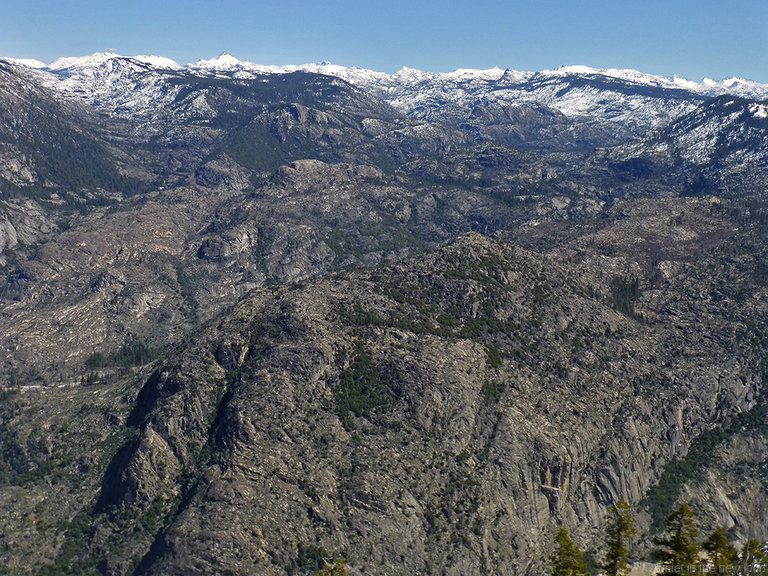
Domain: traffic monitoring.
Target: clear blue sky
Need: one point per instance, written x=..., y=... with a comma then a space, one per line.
x=690, y=38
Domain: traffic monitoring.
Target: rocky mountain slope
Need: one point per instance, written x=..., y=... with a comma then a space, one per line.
x=254, y=316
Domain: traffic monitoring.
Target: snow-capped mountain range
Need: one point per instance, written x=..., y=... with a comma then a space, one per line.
x=574, y=106
x=571, y=90
x=228, y=63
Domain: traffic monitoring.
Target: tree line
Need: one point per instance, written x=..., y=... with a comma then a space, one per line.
x=680, y=549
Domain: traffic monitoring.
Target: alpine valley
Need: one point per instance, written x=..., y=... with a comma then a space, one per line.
x=254, y=316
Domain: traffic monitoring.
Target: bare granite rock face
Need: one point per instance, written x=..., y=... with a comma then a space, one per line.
x=15, y=167
x=223, y=173
x=731, y=493
x=440, y=436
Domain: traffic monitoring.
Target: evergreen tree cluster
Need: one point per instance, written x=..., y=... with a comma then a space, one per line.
x=679, y=550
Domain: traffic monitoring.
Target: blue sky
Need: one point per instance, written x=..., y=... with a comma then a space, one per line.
x=690, y=38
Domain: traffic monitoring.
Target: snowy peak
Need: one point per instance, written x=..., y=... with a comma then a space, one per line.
x=96, y=59
x=28, y=62
x=87, y=64
x=223, y=62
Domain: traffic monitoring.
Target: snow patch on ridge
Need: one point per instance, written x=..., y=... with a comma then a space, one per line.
x=759, y=110
x=470, y=74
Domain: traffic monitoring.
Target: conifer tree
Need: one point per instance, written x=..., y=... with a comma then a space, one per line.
x=751, y=554
x=719, y=552
x=338, y=568
x=678, y=546
x=568, y=558
x=621, y=527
